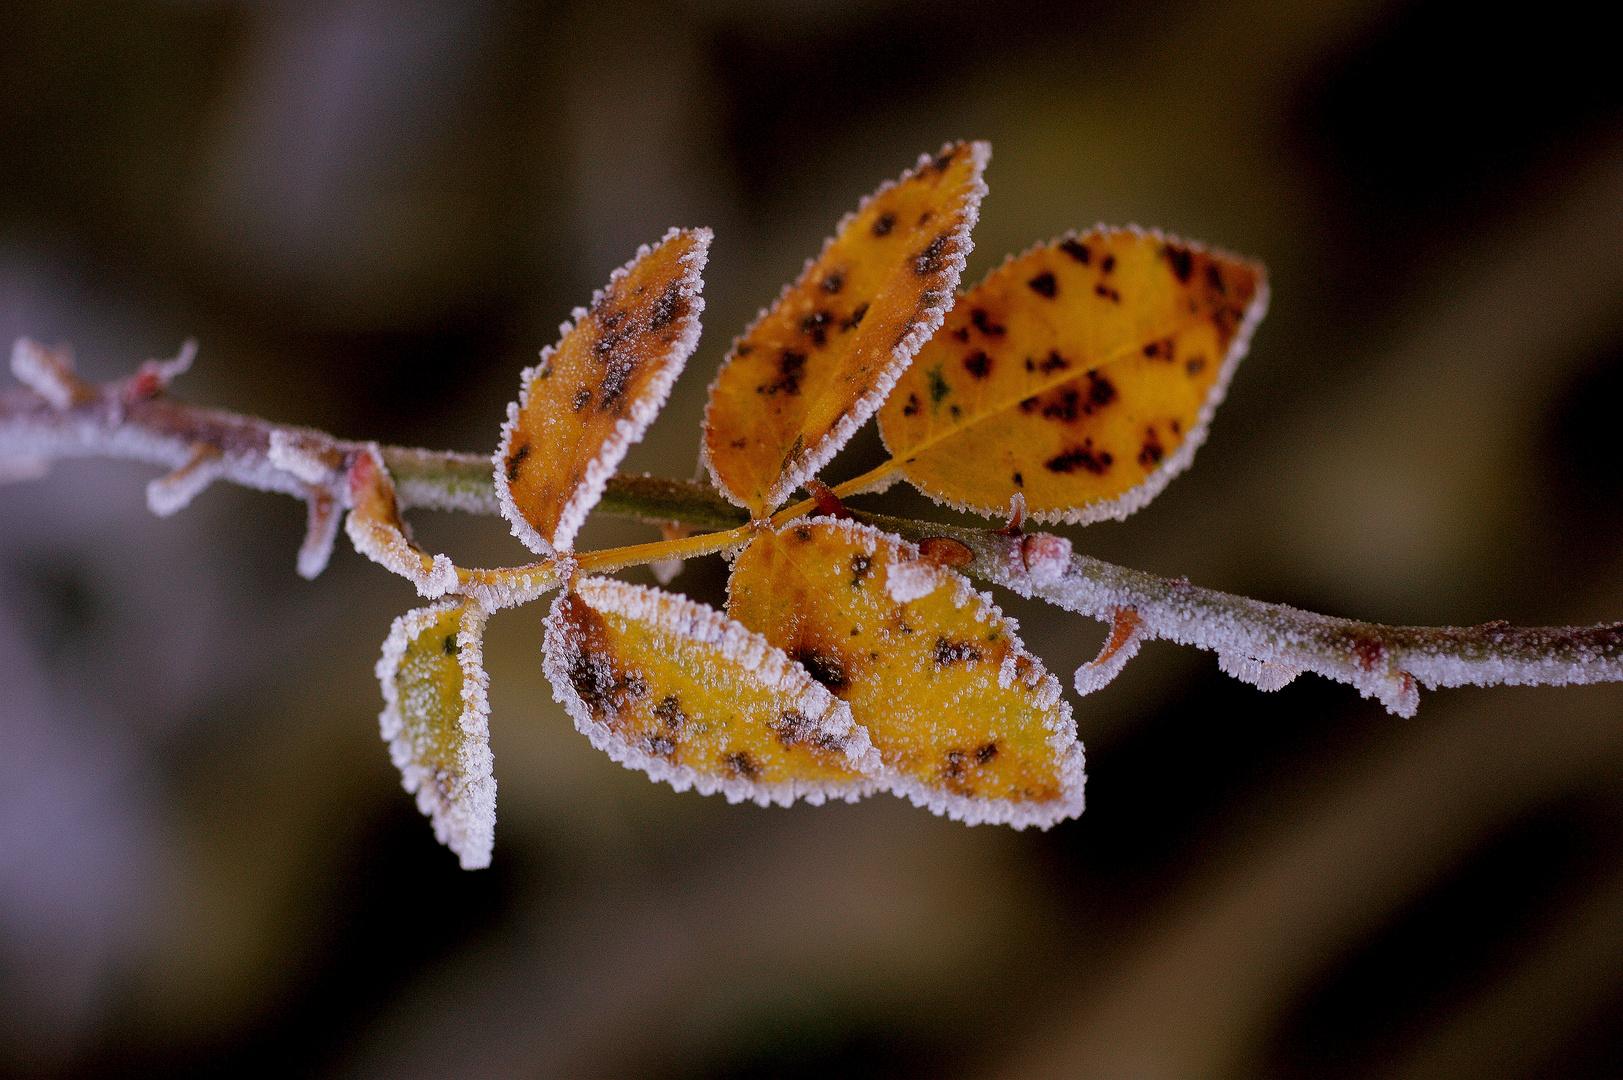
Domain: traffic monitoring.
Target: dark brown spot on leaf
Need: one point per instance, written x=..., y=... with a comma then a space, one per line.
x=978, y=364
x=791, y=369
x=515, y=460
x=1065, y=406
x=583, y=396
x=860, y=565
x=815, y=326
x=955, y=652
x=1080, y=457
x=1019, y=481
x=791, y=727
x=1077, y=250
x=932, y=258
x=1109, y=264
x=1054, y=362
x=741, y=764
x=1183, y=263
x=1108, y=293
x=672, y=305
x=1194, y=365
x=1150, y=454
x=669, y=712
x=986, y=753
x=961, y=333
x=983, y=322
x=1044, y=285
x=1101, y=391
x=850, y=322
x=824, y=667
x=834, y=282
x=883, y=225
x=1028, y=404
x=1214, y=278
x=449, y=646
x=912, y=406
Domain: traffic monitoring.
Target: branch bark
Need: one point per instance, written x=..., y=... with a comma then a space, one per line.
x=1265, y=644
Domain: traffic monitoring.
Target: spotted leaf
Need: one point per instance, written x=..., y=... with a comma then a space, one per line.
x=595, y=394
x=969, y=722
x=811, y=370
x=689, y=696
x=436, y=722
x=1082, y=375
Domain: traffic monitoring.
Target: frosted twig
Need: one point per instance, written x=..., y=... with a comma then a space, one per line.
x=1267, y=645
x=1264, y=644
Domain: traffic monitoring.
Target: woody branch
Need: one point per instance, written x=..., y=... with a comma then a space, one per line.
x=56, y=415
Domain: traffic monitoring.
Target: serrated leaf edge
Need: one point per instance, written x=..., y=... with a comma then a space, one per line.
x=753, y=653
x=815, y=457
x=923, y=578
x=468, y=825
x=1137, y=497
x=627, y=430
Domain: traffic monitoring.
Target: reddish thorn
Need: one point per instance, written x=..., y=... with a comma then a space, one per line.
x=1123, y=621
x=1017, y=517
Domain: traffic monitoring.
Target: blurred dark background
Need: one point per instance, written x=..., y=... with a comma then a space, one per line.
x=373, y=214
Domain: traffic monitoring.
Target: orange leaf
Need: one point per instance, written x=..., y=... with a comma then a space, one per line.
x=594, y=395
x=375, y=528
x=1082, y=374
x=436, y=722
x=816, y=366
x=969, y=722
x=680, y=691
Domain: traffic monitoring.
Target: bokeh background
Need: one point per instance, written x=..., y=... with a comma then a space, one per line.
x=372, y=214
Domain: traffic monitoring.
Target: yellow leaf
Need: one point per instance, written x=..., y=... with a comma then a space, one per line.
x=436, y=722
x=969, y=722
x=680, y=691
x=1082, y=374
x=816, y=366
x=594, y=395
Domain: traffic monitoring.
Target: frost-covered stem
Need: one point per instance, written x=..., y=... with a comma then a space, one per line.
x=1270, y=644
x=135, y=420
x=1265, y=644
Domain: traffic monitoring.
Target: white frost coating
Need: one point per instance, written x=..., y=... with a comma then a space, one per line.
x=1108, y=664
x=1268, y=675
x=302, y=457
x=1175, y=462
x=910, y=581
x=164, y=372
x=384, y=543
x=167, y=494
x=1046, y=556
x=321, y=529
x=48, y=372
x=516, y=585
x=822, y=452
x=1047, y=694
x=748, y=656
x=627, y=430
x=462, y=806
x=1269, y=644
